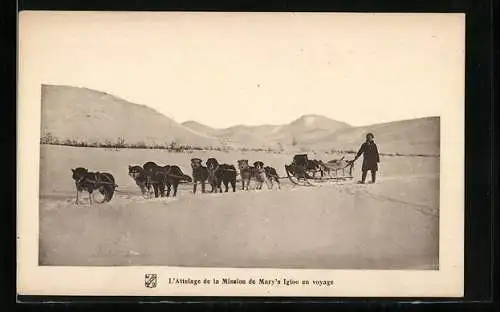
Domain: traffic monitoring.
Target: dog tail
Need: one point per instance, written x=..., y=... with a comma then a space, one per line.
x=187, y=178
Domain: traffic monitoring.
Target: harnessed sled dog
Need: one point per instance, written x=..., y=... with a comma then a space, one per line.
x=260, y=175
x=153, y=175
x=271, y=176
x=220, y=173
x=90, y=181
x=247, y=173
x=200, y=174
x=138, y=174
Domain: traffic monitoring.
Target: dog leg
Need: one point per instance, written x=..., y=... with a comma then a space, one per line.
x=194, y=187
x=219, y=186
x=226, y=186
x=176, y=184
x=269, y=185
x=168, y=189
x=162, y=190
x=90, y=198
x=76, y=201
x=266, y=180
x=278, y=182
x=203, y=186
x=233, y=184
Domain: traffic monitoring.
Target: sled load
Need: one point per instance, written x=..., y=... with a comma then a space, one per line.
x=303, y=170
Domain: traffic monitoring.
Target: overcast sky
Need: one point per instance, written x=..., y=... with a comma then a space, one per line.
x=223, y=69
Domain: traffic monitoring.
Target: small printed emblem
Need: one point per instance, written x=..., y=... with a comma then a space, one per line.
x=150, y=280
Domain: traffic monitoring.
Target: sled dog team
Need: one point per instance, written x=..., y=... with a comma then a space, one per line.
x=153, y=178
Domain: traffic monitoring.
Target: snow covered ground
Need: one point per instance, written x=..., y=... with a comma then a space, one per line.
x=392, y=224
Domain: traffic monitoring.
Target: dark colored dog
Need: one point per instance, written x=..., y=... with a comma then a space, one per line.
x=220, y=173
x=173, y=176
x=141, y=179
x=90, y=181
x=156, y=177
x=272, y=175
x=260, y=175
x=200, y=174
x=247, y=173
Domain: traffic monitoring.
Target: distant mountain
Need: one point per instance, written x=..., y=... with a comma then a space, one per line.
x=200, y=128
x=72, y=113
x=306, y=127
x=413, y=136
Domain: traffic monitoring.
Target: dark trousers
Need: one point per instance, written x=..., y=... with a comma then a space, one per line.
x=364, y=172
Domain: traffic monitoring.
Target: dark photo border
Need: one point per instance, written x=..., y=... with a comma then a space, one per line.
x=479, y=121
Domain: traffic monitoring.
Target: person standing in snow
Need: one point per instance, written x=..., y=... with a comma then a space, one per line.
x=371, y=158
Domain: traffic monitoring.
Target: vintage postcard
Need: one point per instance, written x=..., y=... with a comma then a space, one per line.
x=241, y=154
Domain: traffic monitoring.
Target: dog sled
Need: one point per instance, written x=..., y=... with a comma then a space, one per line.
x=303, y=171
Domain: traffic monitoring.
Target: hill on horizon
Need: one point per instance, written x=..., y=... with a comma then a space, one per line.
x=413, y=136
x=81, y=114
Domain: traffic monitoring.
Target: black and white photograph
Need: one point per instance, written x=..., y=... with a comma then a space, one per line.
x=286, y=141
